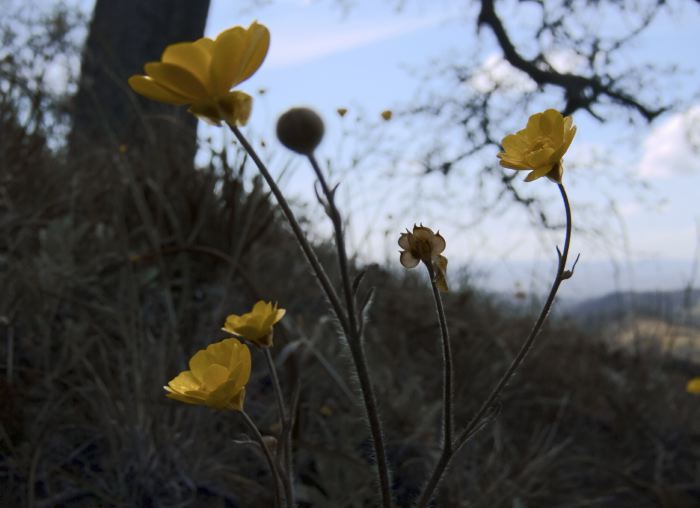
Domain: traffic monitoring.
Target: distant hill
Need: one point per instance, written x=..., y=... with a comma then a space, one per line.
x=680, y=306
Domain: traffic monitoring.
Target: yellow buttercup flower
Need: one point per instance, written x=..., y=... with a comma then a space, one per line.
x=256, y=325
x=540, y=146
x=387, y=114
x=202, y=73
x=217, y=377
x=424, y=245
x=693, y=386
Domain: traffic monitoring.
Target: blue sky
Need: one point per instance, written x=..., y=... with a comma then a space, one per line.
x=322, y=58
x=325, y=57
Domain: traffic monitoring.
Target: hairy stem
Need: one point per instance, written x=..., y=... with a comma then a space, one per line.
x=313, y=261
x=268, y=456
x=355, y=339
x=447, y=390
x=468, y=432
x=286, y=434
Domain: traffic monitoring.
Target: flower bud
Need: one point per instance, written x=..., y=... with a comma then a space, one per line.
x=300, y=130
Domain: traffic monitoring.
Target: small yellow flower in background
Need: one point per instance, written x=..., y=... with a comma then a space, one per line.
x=693, y=386
x=540, y=146
x=256, y=325
x=424, y=245
x=217, y=377
x=202, y=73
x=342, y=112
x=387, y=114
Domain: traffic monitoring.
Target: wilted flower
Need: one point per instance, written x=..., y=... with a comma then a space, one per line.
x=387, y=114
x=256, y=325
x=202, y=73
x=693, y=386
x=217, y=377
x=424, y=245
x=540, y=146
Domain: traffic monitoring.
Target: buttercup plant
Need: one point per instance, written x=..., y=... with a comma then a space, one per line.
x=201, y=74
x=540, y=148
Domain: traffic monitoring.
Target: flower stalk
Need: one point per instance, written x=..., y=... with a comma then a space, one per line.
x=268, y=457
x=286, y=434
x=347, y=321
x=562, y=274
x=310, y=255
x=447, y=369
x=356, y=343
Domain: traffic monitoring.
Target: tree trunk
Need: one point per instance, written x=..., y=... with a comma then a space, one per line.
x=124, y=35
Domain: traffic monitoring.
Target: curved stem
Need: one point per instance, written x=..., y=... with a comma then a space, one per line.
x=296, y=228
x=447, y=390
x=334, y=214
x=355, y=339
x=356, y=347
x=286, y=434
x=468, y=432
x=270, y=461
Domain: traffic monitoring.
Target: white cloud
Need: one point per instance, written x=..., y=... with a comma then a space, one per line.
x=673, y=147
x=495, y=72
x=565, y=60
x=293, y=49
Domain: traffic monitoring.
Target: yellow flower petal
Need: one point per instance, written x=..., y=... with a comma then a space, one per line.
x=236, y=107
x=510, y=163
x=514, y=144
x=192, y=56
x=237, y=54
x=693, y=386
x=258, y=46
x=207, y=111
x=177, y=79
x=185, y=398
x=206, y=44
x=540, y=158
x=538, y=173
x=199, y=363
x=147, y=87
x=214, y=375
x=184, y=382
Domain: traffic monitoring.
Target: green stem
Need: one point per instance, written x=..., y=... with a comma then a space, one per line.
x=355, y=340
x=285, y=435
x=270, y=461
x=447, y=390
x=468, y=432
